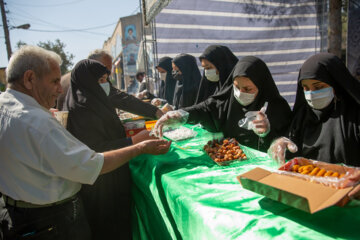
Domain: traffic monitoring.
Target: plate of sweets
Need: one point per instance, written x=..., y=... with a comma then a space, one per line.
x=224, y=151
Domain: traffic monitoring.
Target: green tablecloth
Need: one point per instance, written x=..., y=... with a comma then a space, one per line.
x=184, y=195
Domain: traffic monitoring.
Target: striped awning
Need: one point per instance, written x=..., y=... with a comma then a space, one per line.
x=282, y=33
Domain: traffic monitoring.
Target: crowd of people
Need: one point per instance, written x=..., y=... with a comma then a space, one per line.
x=75, y=183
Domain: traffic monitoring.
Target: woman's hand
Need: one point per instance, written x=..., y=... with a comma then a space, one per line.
x=172, y=119
x=261, y=124
x=278, y=148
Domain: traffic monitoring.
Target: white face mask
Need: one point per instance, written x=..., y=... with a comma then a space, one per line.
x=242, y=97
x=163, y=76
x=106, y=87
x=319, y=99
x=211, y=75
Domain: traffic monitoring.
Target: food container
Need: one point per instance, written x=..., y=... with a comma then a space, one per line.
x=224, y=151
x=333, y=175
x=150, y=124
x=308, y=193
x=134, y=127
x=179, y=134
x=128, y=117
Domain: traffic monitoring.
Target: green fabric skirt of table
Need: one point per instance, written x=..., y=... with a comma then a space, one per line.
x=185, y=195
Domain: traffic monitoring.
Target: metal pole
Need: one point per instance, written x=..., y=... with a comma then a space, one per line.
x=6, y=29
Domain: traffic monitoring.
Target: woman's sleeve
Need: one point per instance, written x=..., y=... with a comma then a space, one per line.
x=92, y=132
x=203, y=113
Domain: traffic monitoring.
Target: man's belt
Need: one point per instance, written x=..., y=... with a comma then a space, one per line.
x=22, y=204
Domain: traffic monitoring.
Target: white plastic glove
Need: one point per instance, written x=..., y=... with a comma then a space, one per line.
x=156, y=102
x=278, y=148
x=261, y=125
x=170, y=119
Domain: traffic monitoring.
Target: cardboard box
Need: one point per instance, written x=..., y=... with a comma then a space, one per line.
x=307, y=196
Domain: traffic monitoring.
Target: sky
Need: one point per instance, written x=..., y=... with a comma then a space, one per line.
x=56, y=19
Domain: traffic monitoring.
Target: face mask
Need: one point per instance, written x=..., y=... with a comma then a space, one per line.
x=319, y=99
x=163, y=76
x=105, y=87
x=177, y=76
x=211, y=75
x=242, y=97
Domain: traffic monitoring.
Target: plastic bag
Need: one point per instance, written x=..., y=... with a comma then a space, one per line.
x=170, y=120
x=348, y=176
x=180, y=133
x=250, y=116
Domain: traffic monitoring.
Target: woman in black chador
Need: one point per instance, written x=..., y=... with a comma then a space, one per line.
x=326, y=123
x=187, y=75
x=168, y=83
x=93, y=120
x=218, y=62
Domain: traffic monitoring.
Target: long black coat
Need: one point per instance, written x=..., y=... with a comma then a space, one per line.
x=93, y=120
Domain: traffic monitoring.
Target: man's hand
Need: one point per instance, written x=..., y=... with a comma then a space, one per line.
x=155, y=146
x=142, y=136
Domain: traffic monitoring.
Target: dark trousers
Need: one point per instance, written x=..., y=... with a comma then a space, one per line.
x=64, y=221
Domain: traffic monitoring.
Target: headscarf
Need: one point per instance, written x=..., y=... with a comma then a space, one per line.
x=86, y=95
x=186, y=89
x=225, y=111
x=224, y=61
x=167, y=89
x=330, y=134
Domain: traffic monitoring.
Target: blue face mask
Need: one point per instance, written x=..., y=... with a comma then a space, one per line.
x=319, y=99
x=106, y=87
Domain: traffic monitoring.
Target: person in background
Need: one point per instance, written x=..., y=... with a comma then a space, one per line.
x=140, y=76
x=218, y=62
x=252, y=87
x=65, y=83
x=45, y=165
x=187, y=76
x=167, y=86
x=118, y=98
x=93, y=120
x=326, y=122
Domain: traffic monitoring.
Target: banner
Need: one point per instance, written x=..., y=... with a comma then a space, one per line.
x=131, y=37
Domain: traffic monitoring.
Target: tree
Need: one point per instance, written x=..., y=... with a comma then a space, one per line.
x=335, y=27
x=59, y=48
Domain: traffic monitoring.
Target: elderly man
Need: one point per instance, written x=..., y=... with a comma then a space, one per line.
x=119, y=99
x=42, y=165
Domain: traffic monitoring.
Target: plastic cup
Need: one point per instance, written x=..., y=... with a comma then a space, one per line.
x=62, y=117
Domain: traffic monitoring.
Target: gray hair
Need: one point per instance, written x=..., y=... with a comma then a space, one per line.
x=32, y=58
x=98, y=54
